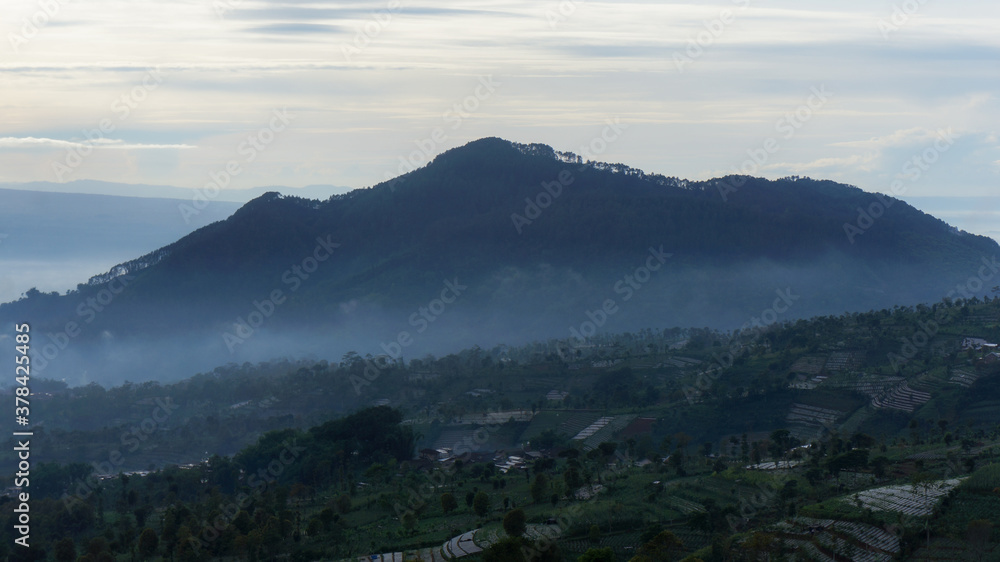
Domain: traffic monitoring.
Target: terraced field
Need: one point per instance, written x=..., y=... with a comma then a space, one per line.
x=949, y=549
x=963, y=377
x=907, y=499
x=564, y=422
x=902, y=397
x=607, y=432
x=808, y=423
x=871, y=385
x=623, y=545
x=821, y=539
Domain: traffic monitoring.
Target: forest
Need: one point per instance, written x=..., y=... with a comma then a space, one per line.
x=817, y=438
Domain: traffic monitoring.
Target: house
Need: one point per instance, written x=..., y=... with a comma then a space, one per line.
x=422, y=376
x=976, y=344
x=429, y=454
x=556, y=395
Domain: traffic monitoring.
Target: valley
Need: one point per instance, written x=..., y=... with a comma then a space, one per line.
x=831, y=438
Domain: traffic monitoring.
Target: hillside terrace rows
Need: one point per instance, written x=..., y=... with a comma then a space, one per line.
x=963, y=377
x=844, y=361
x=808, y=423
x=808, y=365
x=821, y=539
x=870, y=385
x=593, y=428
x=906, y=499
x=608, y=432
x=947, y=549
x=902, y=397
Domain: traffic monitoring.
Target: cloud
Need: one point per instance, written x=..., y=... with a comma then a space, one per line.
x=863, y=162
x=312, y=14
x=879, y=152
x=904, y=137
x=36, y=142
x=928, y=162
x=565, y=67
x=296, y=28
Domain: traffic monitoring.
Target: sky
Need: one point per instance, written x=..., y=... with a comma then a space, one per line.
x=245, y=93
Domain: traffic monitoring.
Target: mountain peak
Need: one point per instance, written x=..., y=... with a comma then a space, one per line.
x=536, y=238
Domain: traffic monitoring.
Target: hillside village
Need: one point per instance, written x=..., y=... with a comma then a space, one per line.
x=824, y=439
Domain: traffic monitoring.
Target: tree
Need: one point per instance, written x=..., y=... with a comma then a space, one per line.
x=677, y=461
x=595, y=534
x=608, y=448
x=96, y=546
x=515, y=522
x=759, y=544
x=510, y=549
x=573, y=480
x=661, y=548
x=713, y=518
x=879, y=465
x=243, y=522
x=448, y=503
x=863, y=441
x=780, y=439
x=481, y=504
x=344, y=503
x=469, y=498
x=854, y=459
x=539, y=487
x=148, y=542
x=65, y=550
x=943, y=424
x=682, y=439
x=922, y=481
x=409, y=521
x=546, y=440
x=977, y=536
x=597, y=555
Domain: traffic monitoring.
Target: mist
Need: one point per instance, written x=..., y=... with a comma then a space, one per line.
x=510, y=306
x=54, y=241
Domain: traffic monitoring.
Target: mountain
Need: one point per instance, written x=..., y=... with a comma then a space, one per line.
x=499, y=242
x=53, y=241
x=147, y=191
x=977, y=214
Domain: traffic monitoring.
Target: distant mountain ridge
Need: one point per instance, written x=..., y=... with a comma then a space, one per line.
x=97, y=187
x=544, y=243
x=54, y=241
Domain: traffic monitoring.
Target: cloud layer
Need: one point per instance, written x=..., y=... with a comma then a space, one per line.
x=702, y=86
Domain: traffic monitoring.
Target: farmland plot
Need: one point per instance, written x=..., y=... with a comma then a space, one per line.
x=906, y=499
x=820, y=538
